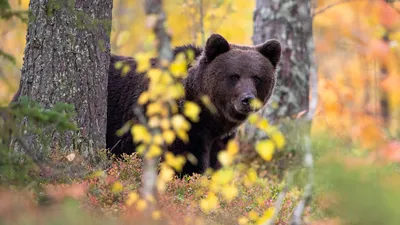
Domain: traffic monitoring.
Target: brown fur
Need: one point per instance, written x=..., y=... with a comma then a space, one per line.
x=229, y=74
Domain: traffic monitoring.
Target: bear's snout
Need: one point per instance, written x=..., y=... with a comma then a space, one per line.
x=246, y=99
x=243, y=103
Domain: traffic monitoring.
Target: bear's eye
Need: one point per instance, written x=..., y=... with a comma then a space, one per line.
x=234, y=77
x=256, y=80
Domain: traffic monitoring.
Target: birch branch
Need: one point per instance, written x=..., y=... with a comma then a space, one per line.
x=154, y=10
x=307, y=196
x=280, y=200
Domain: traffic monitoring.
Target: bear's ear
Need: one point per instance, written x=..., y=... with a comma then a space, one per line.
x=215, y=45
x=271, y=49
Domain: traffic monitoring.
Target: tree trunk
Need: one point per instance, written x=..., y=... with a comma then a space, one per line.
x=289, y=21
x=66, y=59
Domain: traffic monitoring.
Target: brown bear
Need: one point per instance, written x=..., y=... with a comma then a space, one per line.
x=231, y=75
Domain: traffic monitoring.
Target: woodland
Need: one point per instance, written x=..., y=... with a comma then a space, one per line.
x=324, y=150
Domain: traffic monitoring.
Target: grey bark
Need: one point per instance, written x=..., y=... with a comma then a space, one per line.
x=66, y=60
x=289, y=21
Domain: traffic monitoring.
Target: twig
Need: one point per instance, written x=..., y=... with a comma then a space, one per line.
x=313, y=85
x=323, y=9
x=306, y=199
x=203, y=38
x=154, y=7
x=280, y=200
x=148, y=189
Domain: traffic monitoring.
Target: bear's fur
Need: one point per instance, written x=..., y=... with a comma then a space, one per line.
x=231, y=75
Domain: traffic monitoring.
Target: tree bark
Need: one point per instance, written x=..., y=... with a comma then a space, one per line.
x=66, y=59
x=289, y=21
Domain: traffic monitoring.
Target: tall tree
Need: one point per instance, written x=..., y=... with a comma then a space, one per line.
x=289, y=21
x=66, y=60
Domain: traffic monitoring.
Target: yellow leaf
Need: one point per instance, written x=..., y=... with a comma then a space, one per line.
x=278, y=138
x=256, y=104
x=178, y=66
x=154, y=108
x=183, y=136
x=70, y=157
x=177, y=91
x=253, y=118
x=223, y=176
x=180, y=123
x=265, y=149
x=154, y=151
x=229, y=192
x=143, y=98
x=141, y=205
x=143, y=61
x=117, y=187
x=165, y=124
x=262, y=124
x=225, y=158
x=207, y=102
x=141, y=148
x=118, y=65
x=125, y=70
x=154, y=75
x=191, y=158
x=209, y=203
x=176, y=162
x=167, y=173
x=169, y=136
x=161, y=186
x=156, y=215
x=243, y=221
x=266, y=216
x=132, y=198
x=140, y=133
x=251, y=177
x=154, y=121
x=192, y=110
x=190, y=54
x=232, y=147
x=253, y=216
x=158, y=139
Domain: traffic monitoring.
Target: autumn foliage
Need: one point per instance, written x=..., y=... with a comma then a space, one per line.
x=355, y=133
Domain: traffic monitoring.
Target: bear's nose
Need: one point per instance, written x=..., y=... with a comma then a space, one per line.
x=246, y=99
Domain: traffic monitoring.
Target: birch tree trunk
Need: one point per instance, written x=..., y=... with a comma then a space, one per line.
x=289, y=21
x=66, y=60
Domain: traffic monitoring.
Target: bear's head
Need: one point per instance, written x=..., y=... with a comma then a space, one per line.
x=232, y=75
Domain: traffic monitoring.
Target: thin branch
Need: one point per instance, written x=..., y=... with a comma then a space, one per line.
x=280, y=200
x=313, y=85
x=323, y=9
x=203, y=38
x=149, y=165
x=306, y=199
